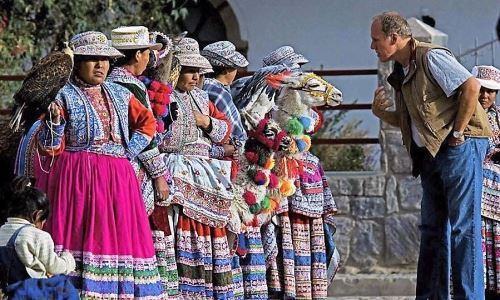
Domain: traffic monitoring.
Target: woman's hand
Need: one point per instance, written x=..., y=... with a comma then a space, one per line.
x=55, y=113
x=161, y=188
x=202, y=120
x=230, y=151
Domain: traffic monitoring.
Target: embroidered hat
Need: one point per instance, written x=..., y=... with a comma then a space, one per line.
x=224, y=54
x=132, y=37
x=188, y=54
x=206, y=71
x=488, y=76
x=93, y=43
x=284, y=55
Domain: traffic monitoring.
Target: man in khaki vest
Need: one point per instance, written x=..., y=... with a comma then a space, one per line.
x=445, y=131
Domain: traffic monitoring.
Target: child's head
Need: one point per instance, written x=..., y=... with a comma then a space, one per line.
x=28, y=202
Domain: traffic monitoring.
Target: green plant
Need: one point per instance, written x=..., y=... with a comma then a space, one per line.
x=342, y=157
x=29, y=29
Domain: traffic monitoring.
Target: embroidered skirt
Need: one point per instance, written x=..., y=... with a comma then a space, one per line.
x=490, y=234
x=98, y=215
x=204, y=262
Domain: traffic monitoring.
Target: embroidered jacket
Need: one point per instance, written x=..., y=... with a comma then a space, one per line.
x=185, y=136
x=150, y=156
x=101, y=119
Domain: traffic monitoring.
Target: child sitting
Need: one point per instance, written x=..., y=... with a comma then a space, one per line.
x=26, y=251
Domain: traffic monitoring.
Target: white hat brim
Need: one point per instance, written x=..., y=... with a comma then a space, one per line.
x=489, y=84
x=155, y=46
x=97, y=50
x=194, y=60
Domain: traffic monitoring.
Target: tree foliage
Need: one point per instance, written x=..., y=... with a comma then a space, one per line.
x=343, y=157
x=29, y=29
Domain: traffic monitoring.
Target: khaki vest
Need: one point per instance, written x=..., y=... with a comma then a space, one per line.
x=433, y=113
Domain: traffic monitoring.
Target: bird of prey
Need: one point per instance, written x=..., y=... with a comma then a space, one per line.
x=40, y=87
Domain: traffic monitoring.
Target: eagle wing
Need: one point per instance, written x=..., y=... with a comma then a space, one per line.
x=40, y=87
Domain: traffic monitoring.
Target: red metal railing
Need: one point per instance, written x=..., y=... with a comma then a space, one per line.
x=336, y=141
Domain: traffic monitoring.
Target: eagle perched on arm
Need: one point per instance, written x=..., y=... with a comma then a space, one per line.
x=40, y=87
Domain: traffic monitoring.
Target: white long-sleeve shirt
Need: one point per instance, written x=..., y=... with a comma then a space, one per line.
x=35, y=249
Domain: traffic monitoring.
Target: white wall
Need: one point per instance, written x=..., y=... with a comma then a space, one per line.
x=335, y=34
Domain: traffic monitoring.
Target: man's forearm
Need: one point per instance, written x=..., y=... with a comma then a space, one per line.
x=467, y=100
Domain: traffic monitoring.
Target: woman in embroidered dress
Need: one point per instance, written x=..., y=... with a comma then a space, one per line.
x=149, y=166
x=98, y=213
x=203, y=194
x=489, y=77
x=133, y=42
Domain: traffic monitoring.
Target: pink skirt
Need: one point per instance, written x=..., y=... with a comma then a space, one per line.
x=99, y=216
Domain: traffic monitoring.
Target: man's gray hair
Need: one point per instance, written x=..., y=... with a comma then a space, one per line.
x=393, y=22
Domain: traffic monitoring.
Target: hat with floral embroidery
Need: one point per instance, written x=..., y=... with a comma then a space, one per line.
x=284, y=55
x=133, y=37
x=188, y=54
x=224, y=54
x=488, y=76
x=93, y=43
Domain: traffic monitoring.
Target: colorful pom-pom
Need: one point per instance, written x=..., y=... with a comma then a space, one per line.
x=265, y=203
x=260, y=177
x=151, y=95
x=255, y=222
x=155, y=85
x=307, y=140
x=301, y=145
x=274, y=204
x=294, y=127
x=273, y=181
x=249, y=198
x=269, y=165
x=255, y=208
x=287, y=188
x=307, y=122
x=252, y=157
x=160, y=126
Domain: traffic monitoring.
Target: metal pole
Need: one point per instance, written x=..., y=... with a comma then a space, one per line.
x=476, y=52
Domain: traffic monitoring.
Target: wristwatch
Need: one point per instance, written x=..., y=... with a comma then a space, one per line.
x=458, y=134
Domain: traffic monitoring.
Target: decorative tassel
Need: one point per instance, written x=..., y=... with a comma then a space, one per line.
x=249, y=198
x=265, y=203
x=274, y=204
x=307, y=122
x=294, y=127
x=260, y=178
x=269, y=165
x=301, y=145
x=255, y=208
x=287, y=188
x=160, y=126
x=273, y=181
x=155, y=85
x=252, y=157
x=307, y=140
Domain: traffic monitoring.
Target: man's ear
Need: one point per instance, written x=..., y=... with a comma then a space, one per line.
x=394, y=38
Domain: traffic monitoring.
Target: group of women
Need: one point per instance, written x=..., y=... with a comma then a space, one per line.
x=140, y=188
